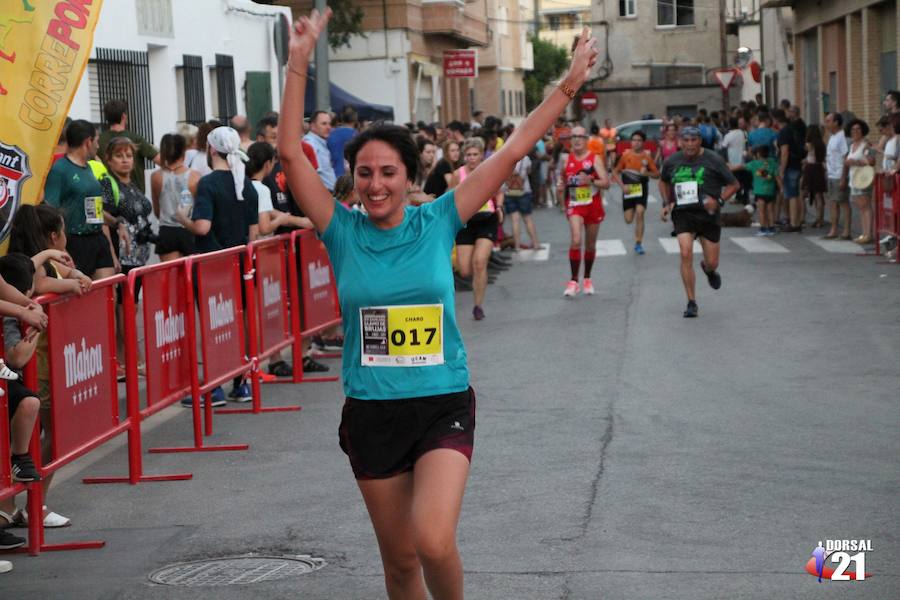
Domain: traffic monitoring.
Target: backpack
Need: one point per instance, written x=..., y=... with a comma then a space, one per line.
x=707, y=135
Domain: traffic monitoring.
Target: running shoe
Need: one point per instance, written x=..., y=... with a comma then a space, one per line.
x=691, y=311
x=23, y=468
x=638, y=249
x=332, y=344
x=588, y=287
x=218, y=399
x=763, y=232
x=715, y=280
x=7, y=373
x=281, y=369
x=571, y=289
x=241, y=393
x=478, y=313
x=313, y=366
x=8, y=541
x=5, y=565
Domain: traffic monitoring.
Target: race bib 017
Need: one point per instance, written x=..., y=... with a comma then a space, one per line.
x=402, y=336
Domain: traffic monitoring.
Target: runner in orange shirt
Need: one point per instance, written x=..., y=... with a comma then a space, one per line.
x=632, y=173
x=595, y=144
x=608, y=133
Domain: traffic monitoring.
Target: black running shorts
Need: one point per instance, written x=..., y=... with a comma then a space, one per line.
x=477, y=228
x=89, y=252
x=384, y=438
x=698, y=222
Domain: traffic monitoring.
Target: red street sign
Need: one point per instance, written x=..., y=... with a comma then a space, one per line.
x=167, y=340
x=271, y=295
x=221, y=315
x=726, y=78
x=320, y=302
x=589, y=101
x=460, y=64
x=82, y=369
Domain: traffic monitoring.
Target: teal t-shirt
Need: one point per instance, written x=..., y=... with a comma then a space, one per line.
x=764, y=172
x=77, y=193
x=391, y=285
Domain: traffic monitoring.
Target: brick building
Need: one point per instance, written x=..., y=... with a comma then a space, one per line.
x=845, y=55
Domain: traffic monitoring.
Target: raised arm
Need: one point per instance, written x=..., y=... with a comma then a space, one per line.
x=309, y=192
x=475, y=189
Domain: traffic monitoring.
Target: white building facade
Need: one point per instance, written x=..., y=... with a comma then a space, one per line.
x=180, y=61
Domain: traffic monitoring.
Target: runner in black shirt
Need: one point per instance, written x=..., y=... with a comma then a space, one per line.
x=694, y=185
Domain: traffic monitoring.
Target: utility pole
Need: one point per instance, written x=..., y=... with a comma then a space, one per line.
x=323, y=96
x=723, y=49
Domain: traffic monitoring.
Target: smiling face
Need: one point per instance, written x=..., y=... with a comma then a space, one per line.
x=381, y=181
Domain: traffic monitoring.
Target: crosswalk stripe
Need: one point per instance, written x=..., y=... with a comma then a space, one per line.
x=611, y=248
x=758, y=245
x=540, y=254
x=670, y=245
x=835, y=246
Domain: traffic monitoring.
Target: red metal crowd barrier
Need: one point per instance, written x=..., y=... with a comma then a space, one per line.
x=166, y=345
x=887, y=207
x=290, y=294
x=85, y=398
x=267, y=280
x=218, y=277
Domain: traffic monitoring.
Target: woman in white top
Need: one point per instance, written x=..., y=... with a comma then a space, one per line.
x=860, y=155
x=172, y=185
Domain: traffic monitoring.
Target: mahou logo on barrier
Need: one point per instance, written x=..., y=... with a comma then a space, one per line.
x=320, y=303
x=220, y=317
x=167, y=342
x=271, y=298
x=81, y=370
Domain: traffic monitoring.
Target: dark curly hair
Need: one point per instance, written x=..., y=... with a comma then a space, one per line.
x=397, y=137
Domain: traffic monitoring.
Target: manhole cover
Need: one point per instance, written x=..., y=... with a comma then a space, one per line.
x=239, y=570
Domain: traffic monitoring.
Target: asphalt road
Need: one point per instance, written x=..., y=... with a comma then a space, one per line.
x=622, y=451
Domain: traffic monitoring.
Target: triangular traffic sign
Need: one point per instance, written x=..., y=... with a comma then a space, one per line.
x=725, y=78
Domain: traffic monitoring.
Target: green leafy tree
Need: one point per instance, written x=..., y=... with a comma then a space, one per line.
x=549, y=62
x=344, y=24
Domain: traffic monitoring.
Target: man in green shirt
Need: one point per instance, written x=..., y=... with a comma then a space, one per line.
x=73, y=189
x=116, y=114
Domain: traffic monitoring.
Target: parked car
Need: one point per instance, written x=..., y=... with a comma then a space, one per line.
x=651, y=127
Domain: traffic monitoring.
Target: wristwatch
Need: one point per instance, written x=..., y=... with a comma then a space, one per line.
x=721, y=202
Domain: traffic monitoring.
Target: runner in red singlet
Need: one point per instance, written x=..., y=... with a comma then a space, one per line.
x=584, y=177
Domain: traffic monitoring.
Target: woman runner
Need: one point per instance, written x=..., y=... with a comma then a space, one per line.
x=475, y=241
x=584, y=177
x=408, y=420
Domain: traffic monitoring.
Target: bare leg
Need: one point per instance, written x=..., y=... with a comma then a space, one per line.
x=516, y=230
x=686, y=249
x=480, y=257
x=440, y=480
x=710, y=254
x=835, y=215
x=389, y=502
x=532, y=231
x=639, y=223
x=22, y=424
x=464, y=259
x=848, y=223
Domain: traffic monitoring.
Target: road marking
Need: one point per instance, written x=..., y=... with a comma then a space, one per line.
x=836, y=246
x=670, y=245
x=759, y=245
x=540, y=254
x=611, y=248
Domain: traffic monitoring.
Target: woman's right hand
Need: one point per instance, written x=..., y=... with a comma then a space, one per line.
x=583, y=59
x=304, y=34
